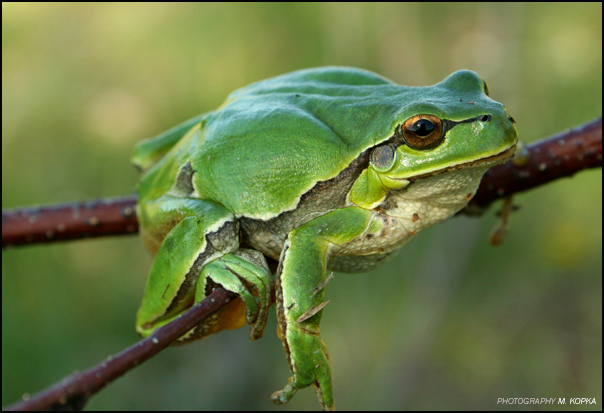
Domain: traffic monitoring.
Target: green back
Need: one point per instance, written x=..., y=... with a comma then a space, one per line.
x=274, y=140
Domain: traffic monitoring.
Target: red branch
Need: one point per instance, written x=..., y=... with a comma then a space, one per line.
x=65, y=222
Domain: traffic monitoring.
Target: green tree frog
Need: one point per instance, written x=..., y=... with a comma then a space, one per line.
x=322, y=169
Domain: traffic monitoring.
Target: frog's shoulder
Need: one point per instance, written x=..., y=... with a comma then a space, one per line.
x=274, y=140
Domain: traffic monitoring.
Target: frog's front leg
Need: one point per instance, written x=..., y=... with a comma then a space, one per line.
x=301, y=279
x=197, y=254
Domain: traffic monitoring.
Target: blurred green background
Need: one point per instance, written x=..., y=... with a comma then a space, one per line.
x=452, y=323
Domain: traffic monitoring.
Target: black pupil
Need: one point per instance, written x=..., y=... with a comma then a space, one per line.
x=422, y=127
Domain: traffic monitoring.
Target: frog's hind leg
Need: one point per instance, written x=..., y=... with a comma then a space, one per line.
x=300, y=291
x=202, y=246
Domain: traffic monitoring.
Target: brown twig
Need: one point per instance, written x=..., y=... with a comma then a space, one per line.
x=73, y=391
x=65, y=222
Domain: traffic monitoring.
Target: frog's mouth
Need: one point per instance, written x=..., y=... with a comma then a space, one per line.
x=492, y=160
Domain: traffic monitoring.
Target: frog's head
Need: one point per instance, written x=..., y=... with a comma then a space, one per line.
x=452, y=125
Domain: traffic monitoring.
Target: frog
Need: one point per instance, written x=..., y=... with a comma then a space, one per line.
x=325, y=169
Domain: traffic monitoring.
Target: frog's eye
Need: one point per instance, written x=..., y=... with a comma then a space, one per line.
x=382, y=158
x=422, y=131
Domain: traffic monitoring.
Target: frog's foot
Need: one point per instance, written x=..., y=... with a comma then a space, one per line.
x=285, y=395
x=309, y=369
x=245, y=273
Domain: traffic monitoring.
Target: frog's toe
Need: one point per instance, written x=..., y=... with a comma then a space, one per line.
x=246, y=274
x=285, y=395
x=252, y=267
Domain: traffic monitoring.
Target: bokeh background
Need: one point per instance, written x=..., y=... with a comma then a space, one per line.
x=452, y=323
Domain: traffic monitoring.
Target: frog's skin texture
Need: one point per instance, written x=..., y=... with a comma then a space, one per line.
x=321, y=169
